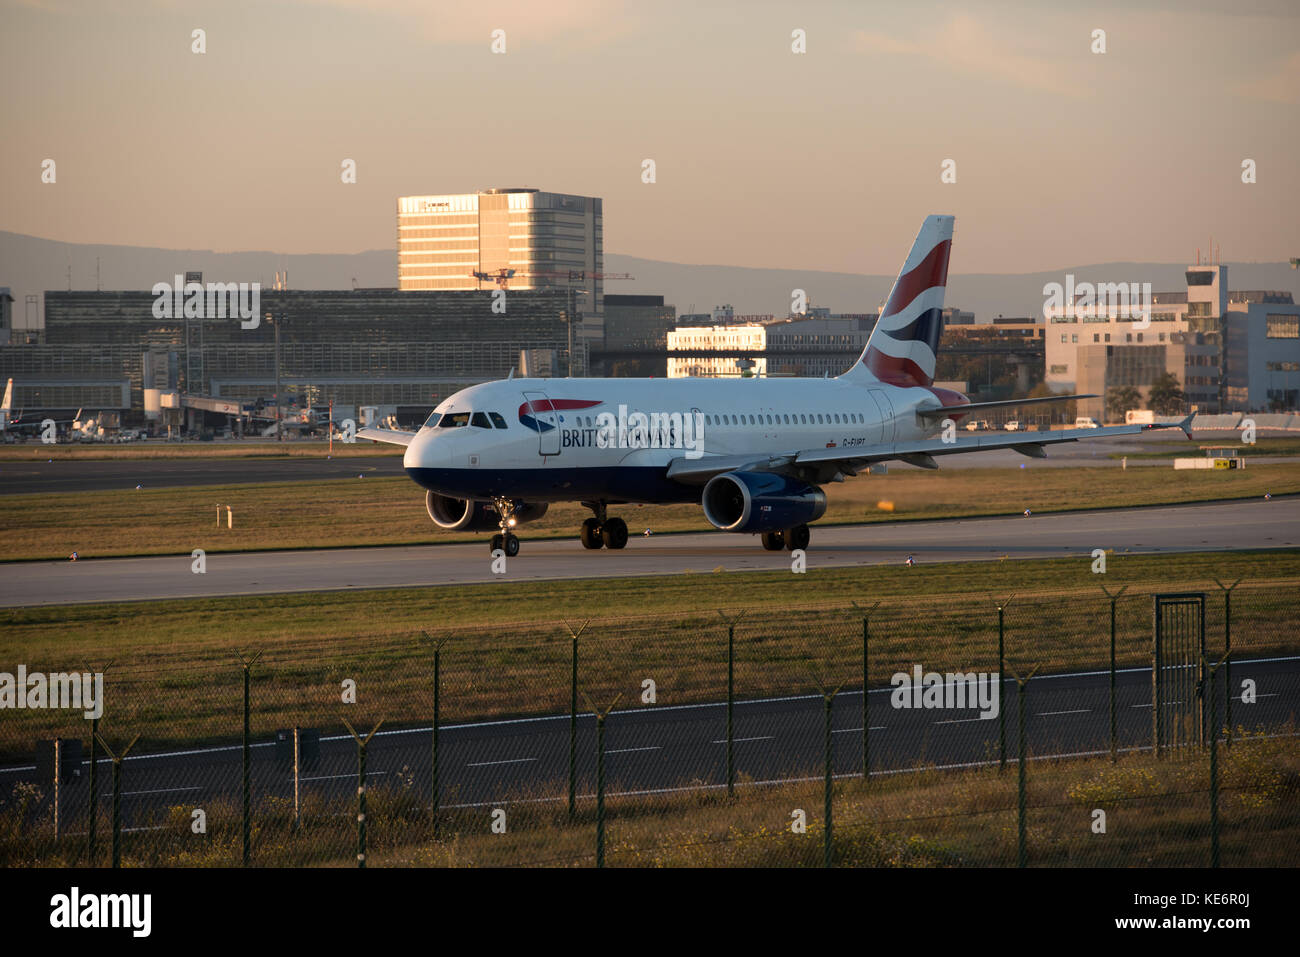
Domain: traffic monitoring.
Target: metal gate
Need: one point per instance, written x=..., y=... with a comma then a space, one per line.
x=1178, y=671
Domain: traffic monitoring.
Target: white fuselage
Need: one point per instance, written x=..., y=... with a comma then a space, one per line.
x=579, y=439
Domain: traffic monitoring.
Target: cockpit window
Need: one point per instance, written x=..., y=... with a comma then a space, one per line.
x=454, y=420
x=497, y=420
x=432, y=420
x=480, y=421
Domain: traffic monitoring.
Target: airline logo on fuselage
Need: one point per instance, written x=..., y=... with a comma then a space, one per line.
x=528, y=412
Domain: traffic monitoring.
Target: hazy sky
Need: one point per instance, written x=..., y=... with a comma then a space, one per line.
x=825, y=160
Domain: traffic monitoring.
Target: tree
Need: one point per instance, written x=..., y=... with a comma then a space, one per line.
x=1121, y=398
x=1166, y=395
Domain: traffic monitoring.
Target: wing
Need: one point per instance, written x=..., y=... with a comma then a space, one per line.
x=832, y=464
x=392, y=436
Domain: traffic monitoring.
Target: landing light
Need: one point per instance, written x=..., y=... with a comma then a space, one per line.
x=512, y=522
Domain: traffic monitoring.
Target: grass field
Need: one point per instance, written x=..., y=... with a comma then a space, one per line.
x=375, y=511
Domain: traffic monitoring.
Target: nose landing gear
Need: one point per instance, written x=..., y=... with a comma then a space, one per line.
x=507, y=541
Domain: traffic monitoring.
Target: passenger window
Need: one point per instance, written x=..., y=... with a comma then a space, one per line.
x=480, y=421
x=432, y=421
x=497, y=419
x=454, y=420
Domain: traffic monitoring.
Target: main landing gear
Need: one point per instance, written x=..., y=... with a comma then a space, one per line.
x=507, y=541
x=791, y=538
x=602, y=530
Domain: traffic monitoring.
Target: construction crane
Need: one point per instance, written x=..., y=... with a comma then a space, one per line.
x=502, y=277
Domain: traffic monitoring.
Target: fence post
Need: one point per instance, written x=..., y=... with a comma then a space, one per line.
x=1114, y=724
x=297, y=764
x=828, y=837
x=866, y=719
x=361, y=788
x=600, y=774
x=117, y=796
x=58, y=797
x=1022, y=843
x=731, y=702
x=573, y=716
x=1214, y=758
x=247, y=756
x=1002, y=712
x=1227, y=653
x=92, y=810
x=435, y=784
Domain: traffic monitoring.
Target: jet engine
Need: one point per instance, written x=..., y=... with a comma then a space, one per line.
x=760, y=502
x=463, y=515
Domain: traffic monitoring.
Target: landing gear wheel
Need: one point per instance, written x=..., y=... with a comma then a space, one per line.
x=614, y=533
x=511, y=545
x=797, y=537
x=773, y=541
x=498, y=541
x=590, y=534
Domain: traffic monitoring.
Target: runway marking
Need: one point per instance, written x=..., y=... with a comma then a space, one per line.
x=655, y=747
x=334, y=777
x=766, y=737
x=158, y=791
x=1049, y=714
x=486, y=764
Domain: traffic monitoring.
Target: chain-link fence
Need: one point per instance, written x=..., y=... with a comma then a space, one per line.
x=953, y=731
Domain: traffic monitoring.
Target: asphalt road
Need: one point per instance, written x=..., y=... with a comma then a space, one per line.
x=1251, y=524
x=652, y=749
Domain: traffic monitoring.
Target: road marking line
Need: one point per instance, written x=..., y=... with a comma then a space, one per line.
x=333, y=777
x=486, y=764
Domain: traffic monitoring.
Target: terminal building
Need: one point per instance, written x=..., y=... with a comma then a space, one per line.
x=1231, y=351
x=821, y=344
x=511, y=239
x=364, y=347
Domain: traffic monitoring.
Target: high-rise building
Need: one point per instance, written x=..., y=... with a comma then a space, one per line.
x=507, y=239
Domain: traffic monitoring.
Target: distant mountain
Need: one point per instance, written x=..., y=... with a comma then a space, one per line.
x=29, y=264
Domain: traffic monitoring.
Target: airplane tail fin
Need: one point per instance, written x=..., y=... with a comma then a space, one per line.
x=903, y=346
x=7, y=405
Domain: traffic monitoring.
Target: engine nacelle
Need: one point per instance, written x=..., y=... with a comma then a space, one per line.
x=760, y=502
x=461, y=515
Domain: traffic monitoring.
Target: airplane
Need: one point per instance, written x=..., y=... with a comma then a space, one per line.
x=753, y=453
x=13, y=423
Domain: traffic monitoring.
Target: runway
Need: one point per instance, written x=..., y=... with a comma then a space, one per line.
x=1252, y=524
